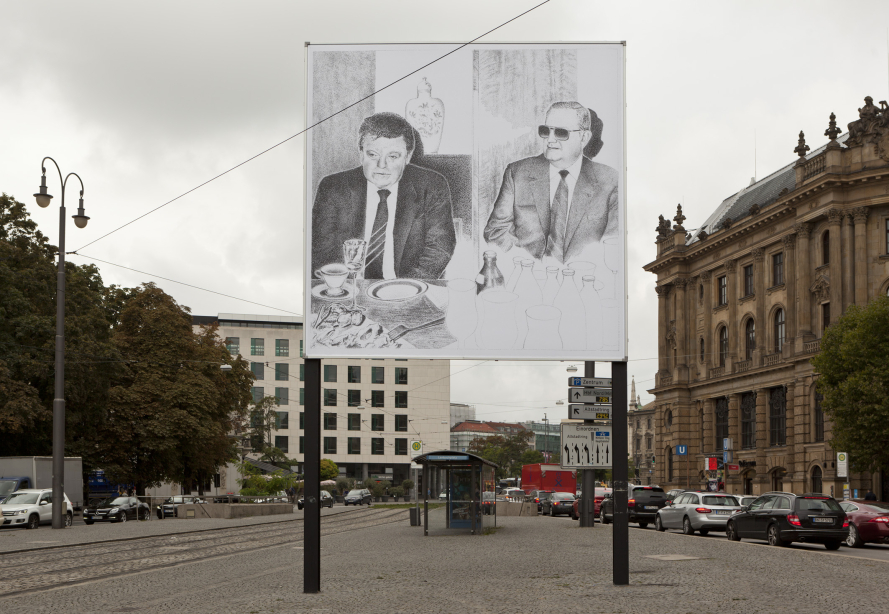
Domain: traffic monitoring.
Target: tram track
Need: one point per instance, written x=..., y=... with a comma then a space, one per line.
x=41, y=570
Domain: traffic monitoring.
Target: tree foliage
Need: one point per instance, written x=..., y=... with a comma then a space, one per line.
x=263, y=419
x=329, y=469
x=508, y=453
x=854, y=379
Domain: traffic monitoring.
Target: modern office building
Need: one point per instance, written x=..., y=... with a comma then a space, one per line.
x=461, y=412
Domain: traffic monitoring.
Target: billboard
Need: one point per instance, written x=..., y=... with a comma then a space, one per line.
x=475, y=209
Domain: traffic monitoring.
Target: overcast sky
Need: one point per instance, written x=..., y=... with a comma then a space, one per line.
x=148, y=100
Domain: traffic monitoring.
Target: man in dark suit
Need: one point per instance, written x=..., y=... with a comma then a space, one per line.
x=560, y=203
x=402, y=211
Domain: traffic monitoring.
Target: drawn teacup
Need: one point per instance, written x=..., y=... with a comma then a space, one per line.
x=334, y=275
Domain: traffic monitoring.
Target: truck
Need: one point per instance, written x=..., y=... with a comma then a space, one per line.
x=18, y=472
x=541, y=476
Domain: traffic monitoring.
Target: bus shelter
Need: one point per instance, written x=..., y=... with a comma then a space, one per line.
x=460, y=488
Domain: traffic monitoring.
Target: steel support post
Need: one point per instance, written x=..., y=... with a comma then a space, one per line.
x=59, y=509
x=312, y=494
x=588, y=483
x=621, y=531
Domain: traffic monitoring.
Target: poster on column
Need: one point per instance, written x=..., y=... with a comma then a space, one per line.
x=465, y=202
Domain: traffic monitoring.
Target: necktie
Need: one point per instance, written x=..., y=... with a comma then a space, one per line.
x=558, y=218
x=373, y=268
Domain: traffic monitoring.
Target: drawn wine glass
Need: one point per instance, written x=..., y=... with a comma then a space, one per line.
x=613, y=260
x=354, y=251
x=461, y=318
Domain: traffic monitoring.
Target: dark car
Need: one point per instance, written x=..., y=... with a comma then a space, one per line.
x=170, y=507
x=643, y=502
x=116, y=509
x=357, y=496
x=672, y=494
x=539, y=496
x=868, y=522
x=326, y=500
x=558, y=503
x=783, y=517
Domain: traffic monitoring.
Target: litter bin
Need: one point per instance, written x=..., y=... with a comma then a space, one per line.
x=415, y=516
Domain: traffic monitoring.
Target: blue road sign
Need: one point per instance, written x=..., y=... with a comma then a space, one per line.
x=726, y=456
x=681, y=450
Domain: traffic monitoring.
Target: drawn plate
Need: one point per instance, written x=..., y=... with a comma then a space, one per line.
x=322, y=292
x=397, y=290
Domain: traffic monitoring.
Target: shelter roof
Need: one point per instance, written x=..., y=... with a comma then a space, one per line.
x=451, y=456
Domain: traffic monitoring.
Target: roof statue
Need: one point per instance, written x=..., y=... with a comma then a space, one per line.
x=678, y=218
x=832, y=131
x=801, y=147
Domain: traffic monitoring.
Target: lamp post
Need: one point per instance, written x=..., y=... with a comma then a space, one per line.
x=59, y=511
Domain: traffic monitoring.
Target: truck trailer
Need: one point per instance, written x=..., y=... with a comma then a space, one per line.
x=540, y=476
x=18, y=472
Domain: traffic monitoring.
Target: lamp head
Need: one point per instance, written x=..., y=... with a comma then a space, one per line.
x=42, y=197
x=80, y=219
x=225, y=367
x=571, y=369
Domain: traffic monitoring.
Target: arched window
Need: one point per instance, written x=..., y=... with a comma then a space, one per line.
x=702, y=349
x=779, y=330
x=819, y=418
x=669, y=464
x=825, y=247
x=816, y=479
x=668, y=419
x=723, y=345
x=721, y=414
x=749, y=339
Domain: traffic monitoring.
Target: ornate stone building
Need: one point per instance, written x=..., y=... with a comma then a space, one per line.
x=640, y=438
x=743, y=302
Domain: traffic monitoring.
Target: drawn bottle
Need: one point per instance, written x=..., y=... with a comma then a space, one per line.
x=551, y=287
x=572, y=326
x=529, y=295
x=426, y=114
x=490, y=276
x=516, y=271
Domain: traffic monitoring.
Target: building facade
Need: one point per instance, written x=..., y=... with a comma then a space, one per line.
x=742, y=305
x=460, y=412
x=370, y=409
x=641, y=438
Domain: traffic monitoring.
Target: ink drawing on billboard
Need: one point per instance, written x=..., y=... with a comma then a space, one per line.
x=474, y=209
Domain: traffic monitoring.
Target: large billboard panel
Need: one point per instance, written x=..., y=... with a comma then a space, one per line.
x=475, y=209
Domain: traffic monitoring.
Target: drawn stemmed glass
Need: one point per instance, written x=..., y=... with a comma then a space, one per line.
x=354, y=252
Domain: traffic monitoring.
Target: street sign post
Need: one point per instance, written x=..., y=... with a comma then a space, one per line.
x=586, y=446
x=416, y=448
x=589, y=412
x=842, y=465
x=590, y=382
x=726, y=456
x=589, y=395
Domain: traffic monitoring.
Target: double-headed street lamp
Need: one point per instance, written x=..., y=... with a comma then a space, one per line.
x=59, y=511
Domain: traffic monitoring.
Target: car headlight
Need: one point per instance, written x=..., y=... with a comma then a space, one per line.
x=114, y=510
x=21, y=512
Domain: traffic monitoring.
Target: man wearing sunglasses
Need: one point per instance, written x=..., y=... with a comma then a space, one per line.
x=559, y=204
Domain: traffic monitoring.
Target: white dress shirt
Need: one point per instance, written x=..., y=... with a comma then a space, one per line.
x=570, y=180
x=373, y=201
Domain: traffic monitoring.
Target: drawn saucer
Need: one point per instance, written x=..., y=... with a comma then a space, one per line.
x=323, y=292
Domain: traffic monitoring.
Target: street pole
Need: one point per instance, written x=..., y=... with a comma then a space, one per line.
x=59, y=509
x=588, y=476
x=621, y=532
x=312, y=507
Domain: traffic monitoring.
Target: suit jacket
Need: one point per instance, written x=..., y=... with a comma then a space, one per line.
x=423, y=231
x=521, y=213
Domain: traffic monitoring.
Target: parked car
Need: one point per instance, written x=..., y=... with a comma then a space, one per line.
x=745, y=500
x=868, y=522
x=358, y=496
x=32, y=507
x=116, y=509
x=597, y=503
x=559, y=503
x=783, y=517
x=538, y=497
x=643, y=503
x=489, y=502
x=697, y=511
x=170, y=507
x=514, y=494
x=326, y=500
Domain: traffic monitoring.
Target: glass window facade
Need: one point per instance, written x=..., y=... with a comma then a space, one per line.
x=400, y=447
x=329, y=421
x=330, y=445
x=376, y=422
x=282, y=420
x=748, y=420
x=401, y=375
x=778, y=269
x=258, y=392
x=354, y=445
x=376, y=398
x=777, y=417
x=780, y=330
x=354, y=422
x=377, y=375
x=302, y=396
x=330, y=397
x=750, y=339
x=721, y=411
x=258, y=370
x=722, y=290
x=233, y=345
x=282, y=347
x=748, y=280
x=354, y=397
x=376, y=445
x=282, y=443
x=282, y=371
x=257, y=347
x=283, y=396
x=330, y=373
x=401, y=399
x=401, y=423
x=819, y=419
x=354, y=375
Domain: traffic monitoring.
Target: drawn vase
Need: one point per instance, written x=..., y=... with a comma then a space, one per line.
x=551, y=287
x=529, y=295
x=490, y=276
x=592, y=305
x=516, y=271
x=497, y=330
x=543, y=328
x=572, y=327
x=461, y=318
x=426, y=115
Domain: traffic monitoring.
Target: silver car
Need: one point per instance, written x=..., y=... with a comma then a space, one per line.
x=697, y=511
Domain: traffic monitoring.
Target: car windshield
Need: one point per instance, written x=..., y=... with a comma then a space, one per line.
x=23, y=498
x=563, y=496
x=6, y=487
x=716, y=500
x=818, y=505
x=111, y=501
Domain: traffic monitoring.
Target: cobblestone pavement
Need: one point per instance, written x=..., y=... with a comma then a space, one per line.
x=528, y=564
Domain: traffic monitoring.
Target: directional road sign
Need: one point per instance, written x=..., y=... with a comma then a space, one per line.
x=585, y=446
x=589, y=395
x=589, y=412
x=590, y=382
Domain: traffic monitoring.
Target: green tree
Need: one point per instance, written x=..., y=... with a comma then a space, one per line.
x=854, y=379
x=506, y=452
x=263, y=419
x=274, y=456
x=329, y=470
x=172, y=412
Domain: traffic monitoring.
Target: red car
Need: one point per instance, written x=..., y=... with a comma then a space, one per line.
x=868, y=522
x=597, y=503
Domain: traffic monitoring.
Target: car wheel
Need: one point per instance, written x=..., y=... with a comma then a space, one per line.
x=69, y=520
x=704, y=532
x=122, y=517
x=552, y=512
x=33, y=522
x=658, y=525
x=854, y=540
x=643, y=525
x=834, y=545
x=730, y=532
x=686, y=527
x=774, y=537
